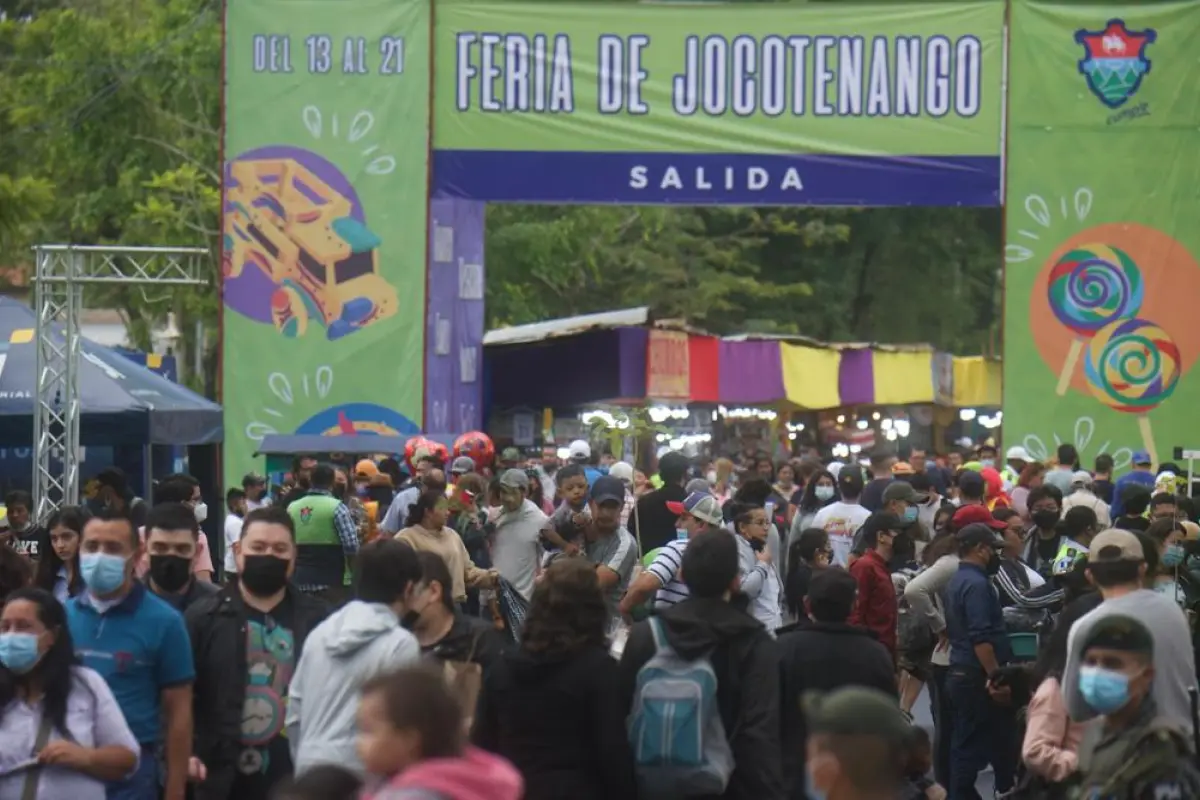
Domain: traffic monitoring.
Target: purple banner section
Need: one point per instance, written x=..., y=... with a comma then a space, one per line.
x=566, y=372
x=454, y=322
x=750, y=372
x=633, y=362
x=716, y=178
x=856, y=377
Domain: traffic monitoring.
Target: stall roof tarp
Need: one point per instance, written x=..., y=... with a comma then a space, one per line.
x=122, y=403
x=299, y=444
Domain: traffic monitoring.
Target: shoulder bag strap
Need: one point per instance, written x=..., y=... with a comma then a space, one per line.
x=29, y=791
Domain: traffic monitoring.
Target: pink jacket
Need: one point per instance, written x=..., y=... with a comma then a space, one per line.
x=478, y=775
x=1051, y=747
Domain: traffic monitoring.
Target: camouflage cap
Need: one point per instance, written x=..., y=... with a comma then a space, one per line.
x=1120, y=633
x=857, y=711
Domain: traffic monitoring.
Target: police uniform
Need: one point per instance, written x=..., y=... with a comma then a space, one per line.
x=1152, y=758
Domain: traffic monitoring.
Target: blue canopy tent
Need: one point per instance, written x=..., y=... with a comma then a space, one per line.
x=122, y=402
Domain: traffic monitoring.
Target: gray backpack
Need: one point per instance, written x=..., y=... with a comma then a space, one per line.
x=679, y=744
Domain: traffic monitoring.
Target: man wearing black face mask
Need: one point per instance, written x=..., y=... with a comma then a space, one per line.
x=172, y=535
x=247, y=640
x=983, y=727
x=1043, y=541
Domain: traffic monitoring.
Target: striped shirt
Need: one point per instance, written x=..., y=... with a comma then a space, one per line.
x=667, y=567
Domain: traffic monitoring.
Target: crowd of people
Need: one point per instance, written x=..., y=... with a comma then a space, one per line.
x=453, y=626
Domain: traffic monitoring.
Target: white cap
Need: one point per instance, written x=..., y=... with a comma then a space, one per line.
x=1082, y=478
x=835, y=468
x=580, y=449
x=1018, y=453
x=622, y=471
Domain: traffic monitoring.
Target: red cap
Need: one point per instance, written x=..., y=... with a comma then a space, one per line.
x=675, y=508
x=968, y=515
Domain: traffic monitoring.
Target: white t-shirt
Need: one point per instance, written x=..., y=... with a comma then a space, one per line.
x=841, y=521
x=233, y=532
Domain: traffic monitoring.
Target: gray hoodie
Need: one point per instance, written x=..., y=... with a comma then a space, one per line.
x=350, y=647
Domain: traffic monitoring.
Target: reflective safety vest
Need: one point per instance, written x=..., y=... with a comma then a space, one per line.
x=1068, y=553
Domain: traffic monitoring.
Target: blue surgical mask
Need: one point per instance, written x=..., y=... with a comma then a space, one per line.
x=19, y=651
x=910, y=514
x=1173, y=556
x=811, y=791
x=824, y=492
x=988, y=462
x=101, y=572
x=1103, y=690
x=681, y=534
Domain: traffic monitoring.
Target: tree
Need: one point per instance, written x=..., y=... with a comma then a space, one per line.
x=109, y=112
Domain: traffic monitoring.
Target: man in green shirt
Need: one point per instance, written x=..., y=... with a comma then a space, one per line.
x=326, y=540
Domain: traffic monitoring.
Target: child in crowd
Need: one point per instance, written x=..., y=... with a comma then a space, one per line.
x=920, y=764
x=412, y=736
x=322, y=782
x=563, y=533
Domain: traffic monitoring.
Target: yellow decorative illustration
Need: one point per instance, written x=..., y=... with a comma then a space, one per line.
x=289, y=223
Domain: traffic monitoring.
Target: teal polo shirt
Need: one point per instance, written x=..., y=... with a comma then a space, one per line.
x=140, y=647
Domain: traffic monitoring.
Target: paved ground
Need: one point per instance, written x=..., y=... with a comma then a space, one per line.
x=922, y=717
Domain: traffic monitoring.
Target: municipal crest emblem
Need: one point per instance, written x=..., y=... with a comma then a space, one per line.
x=306, y=514
x=1115, y=61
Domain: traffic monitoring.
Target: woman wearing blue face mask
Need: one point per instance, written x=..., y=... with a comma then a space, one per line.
x=1168, y=535
x=61, y=732
x=820, y=491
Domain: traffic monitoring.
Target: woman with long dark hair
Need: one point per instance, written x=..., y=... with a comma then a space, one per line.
x=54, y=709
x=553, y=708
x=58, y=568
x=427, y=533
x=820, y=491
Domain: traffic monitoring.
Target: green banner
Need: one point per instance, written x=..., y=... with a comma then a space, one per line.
x=857, y=79
x=327, y=129
x=1102, y=278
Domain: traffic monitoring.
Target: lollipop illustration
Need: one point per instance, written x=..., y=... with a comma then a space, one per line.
x=1132, y=366
x=1090, y=287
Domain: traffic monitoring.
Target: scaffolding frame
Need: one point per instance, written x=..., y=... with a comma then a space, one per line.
x=60, y=275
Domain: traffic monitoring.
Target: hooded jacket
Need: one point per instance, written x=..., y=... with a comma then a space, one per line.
x=746, y=661
x=823, y=656
x=476, y=775
x=560, y=720
x=342, y=653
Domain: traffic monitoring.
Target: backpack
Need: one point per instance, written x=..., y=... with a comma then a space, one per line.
x=675, y=730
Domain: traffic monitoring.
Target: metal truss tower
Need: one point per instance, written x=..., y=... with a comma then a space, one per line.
x=62, y=271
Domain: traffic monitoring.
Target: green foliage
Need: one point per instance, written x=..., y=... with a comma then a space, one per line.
x=109, y=116
x=887, y=275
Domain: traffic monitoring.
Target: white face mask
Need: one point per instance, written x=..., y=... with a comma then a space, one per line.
x=201, y=511
x=711, y=476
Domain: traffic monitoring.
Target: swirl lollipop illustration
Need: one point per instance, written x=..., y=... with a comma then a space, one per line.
x=1090, y=287
x=1132, y=366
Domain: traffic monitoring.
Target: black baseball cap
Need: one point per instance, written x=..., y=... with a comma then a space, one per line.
x=608, y=489
x=978, y=533
x=850, y=481
x=881, y=521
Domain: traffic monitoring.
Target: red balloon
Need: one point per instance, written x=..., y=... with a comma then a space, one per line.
x=411, y=447
x=477, y=446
